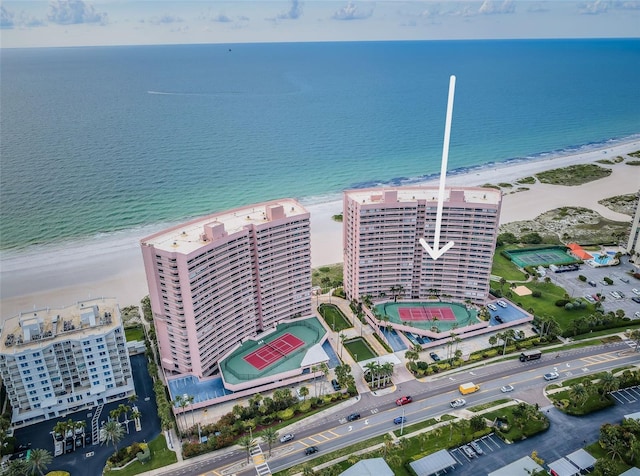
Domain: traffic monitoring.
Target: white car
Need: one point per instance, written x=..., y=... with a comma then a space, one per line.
x=635, y=291
x=615, y=294
x=287, y=437
x=492, y=307
x=458, y=402
x=507, y=388
x=551, y=376
x=637, y=315
x=502, y=304
x=589, y=298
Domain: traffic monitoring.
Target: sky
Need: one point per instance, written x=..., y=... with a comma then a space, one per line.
x=26, y=23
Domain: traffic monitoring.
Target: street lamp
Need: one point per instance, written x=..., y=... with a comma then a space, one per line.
x=402, y=422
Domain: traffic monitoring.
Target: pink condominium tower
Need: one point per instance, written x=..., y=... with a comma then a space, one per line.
x=219, y=279
x=383, y=256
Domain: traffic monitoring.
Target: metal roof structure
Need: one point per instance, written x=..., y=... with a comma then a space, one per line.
x=433, y=464
x=563, y=467
x=369, y=467
x=582, y=459
x=522, y=467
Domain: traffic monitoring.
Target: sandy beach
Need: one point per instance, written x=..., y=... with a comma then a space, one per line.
x=61, y=277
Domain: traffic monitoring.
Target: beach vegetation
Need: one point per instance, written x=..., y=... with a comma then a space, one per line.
x=327, y=277
x=505, y=185
x=337, y=217
x=490, y=185
x=633, y=162
x=621, y=203
x=574, y=174
x=635, y=154
x=527, y=180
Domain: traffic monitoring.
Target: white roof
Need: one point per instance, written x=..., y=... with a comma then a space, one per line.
x=369, y=467
x=563, y=467
x=522, y=467
x=433, y=464
x=315, y=355
x=581, y=459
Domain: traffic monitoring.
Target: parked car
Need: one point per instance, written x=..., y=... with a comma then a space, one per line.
x=336, y=386
x=466, y=449
x=476, y=447
x=635, y=291
x=492, y=307
x=458, y=402
x=404, y=400
x=506, y=388
x=311, y=450
x=592, y=284
x=502, y=304
x=636, y=299
x=434, y=356
x=498, y=319
x=400, y=419
x=615, y=294
x=287, y=437
x=353, y=417
x=589, y=298
x=551, y=376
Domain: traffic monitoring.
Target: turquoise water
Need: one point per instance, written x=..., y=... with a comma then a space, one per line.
x=97, y=142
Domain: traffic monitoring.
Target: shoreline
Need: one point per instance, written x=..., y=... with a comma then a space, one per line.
x=61, y=274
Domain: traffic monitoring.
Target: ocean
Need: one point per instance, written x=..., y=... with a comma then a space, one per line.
x=101, y=142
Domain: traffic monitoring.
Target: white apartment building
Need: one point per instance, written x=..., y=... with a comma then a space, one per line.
x=57, y=361
x=219, y=279
x=383, y=256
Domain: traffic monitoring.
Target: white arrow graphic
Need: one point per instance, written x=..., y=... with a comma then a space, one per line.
x=436, y=251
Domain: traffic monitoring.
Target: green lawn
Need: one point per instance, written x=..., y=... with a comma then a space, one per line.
x=359, y=349
x=134, y=333
x=160, y=456
x=334, y=317
x=327, y=276
x=503, y=267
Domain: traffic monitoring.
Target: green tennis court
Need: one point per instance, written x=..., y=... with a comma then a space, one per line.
x=540, y=256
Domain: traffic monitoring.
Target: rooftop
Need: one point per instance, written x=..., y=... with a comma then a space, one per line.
x=192, y=235
x=38, y=327
x=430, y=194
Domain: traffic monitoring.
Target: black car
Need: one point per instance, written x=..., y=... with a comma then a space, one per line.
x=353, y=417
x=498, y=319
x=311, y=450
x=23, y=447
x=636, y=299
x=434, y=356
x=336, y=385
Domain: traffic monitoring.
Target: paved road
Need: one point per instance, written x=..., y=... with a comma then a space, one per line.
x=430, y=399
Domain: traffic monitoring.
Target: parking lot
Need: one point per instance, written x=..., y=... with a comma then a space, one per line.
x=618, y=274
x=89, y=459
x=627, y=396
x=485, y=445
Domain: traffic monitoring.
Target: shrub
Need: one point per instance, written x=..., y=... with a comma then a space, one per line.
x=561, y=302
x=536, y=294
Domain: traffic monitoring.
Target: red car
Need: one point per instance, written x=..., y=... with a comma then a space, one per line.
x=404, y=400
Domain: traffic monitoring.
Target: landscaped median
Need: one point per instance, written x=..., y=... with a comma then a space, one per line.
x=424, y=438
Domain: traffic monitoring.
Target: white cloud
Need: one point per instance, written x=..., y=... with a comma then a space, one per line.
x=222, y=18
x=294, y=12
x=593, y=8
x=351, y=12
x=70, y=12
x=165, y=20
x=490, y=7
x=6, y=18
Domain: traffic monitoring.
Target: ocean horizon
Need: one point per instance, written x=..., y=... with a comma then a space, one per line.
x=100, y=144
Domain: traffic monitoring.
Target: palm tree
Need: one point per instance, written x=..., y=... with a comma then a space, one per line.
x=578, y=393
x=372, y=367
x=246, y=442
x=113, y=433
x=17, y=467
x=609, y=383
x=343, y=338
x=304, y=393
x=387, y=370
x=132, y=398
x=38, y=460
x=182, y=402
x=411, y=355
x=634, y=335
x=270, y=435
x=190, y=399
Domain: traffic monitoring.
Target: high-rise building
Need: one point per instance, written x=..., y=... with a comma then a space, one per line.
x=219, y=279
x=55, y=361
x=383, y=255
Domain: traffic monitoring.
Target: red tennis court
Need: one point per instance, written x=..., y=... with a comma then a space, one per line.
x=426, y=314
x=273, y=351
